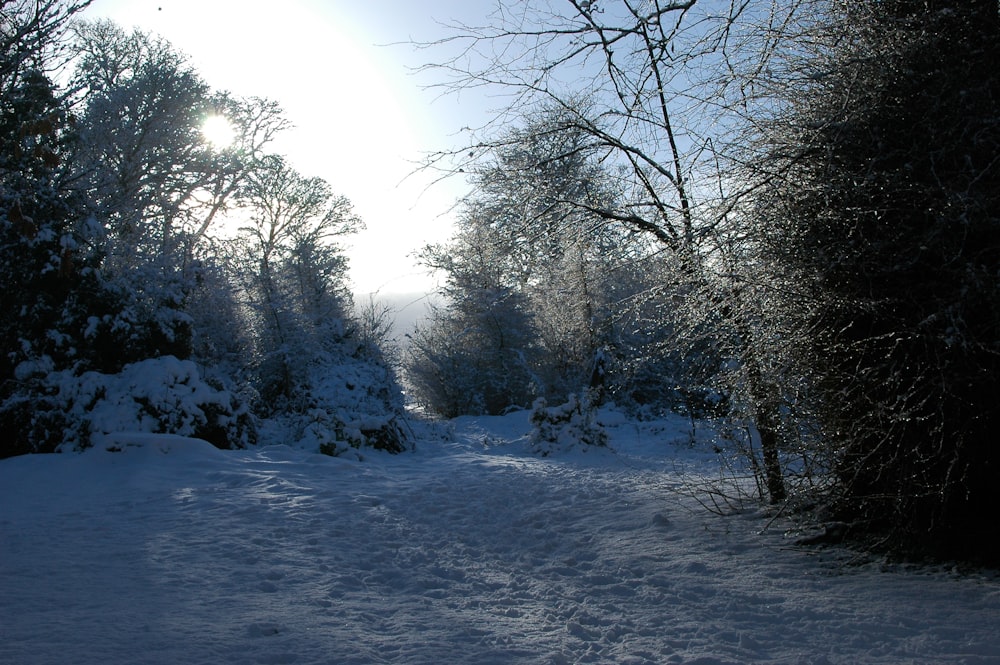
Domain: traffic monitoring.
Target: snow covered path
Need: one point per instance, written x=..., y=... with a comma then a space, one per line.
x=460, y=553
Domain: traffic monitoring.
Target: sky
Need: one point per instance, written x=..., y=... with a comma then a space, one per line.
x=344, y=74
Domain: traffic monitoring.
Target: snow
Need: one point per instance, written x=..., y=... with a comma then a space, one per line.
x=471, y=549
x=154, y=395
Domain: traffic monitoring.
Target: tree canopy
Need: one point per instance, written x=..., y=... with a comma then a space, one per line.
x=116, y=263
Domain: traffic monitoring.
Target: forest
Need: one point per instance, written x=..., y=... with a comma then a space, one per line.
x=780, y=221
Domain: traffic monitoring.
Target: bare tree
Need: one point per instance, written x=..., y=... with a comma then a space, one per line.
x=156, y=181
x=664, y=92
x=31, y=36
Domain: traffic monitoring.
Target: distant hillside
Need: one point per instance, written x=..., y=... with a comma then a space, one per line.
x=407, y=309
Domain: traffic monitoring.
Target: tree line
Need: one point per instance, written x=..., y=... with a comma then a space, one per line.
x=780, y=215
x=114, y=252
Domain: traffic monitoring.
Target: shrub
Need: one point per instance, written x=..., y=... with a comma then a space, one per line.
x=65, y=411
x=565, y=426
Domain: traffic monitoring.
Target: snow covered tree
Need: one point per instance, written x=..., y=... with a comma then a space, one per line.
x=62, y=321
x=882, y=209
x=527, y=274
x=292, y=271
x=664, y=93
x=143, y=105
x=152, y=176
x=309, y=362
x=54, y=298
x=107, y=198
x=475, y=352
x=31, y=36
x=540, y=188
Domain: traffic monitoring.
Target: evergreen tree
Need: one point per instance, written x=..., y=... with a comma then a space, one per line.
x=55, y=308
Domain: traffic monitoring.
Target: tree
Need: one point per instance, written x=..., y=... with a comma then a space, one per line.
x=145, y=155
x=882, y=207
x=664, y=92
x=313, y=365
x=50, y=249
x=474, y=354
x=537, y=189
x=153, y=175
x=527, y=273
x=292, y=272
x=610, y=72
x=108, y=193
x=55, y=305
x=31, y=36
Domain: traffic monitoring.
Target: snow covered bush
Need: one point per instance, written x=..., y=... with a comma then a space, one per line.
x=160, y=395
x=363, y=403
x=351, y=401
x=565, y=426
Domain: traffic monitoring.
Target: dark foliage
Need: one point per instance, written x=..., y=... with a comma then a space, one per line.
x=889, y=216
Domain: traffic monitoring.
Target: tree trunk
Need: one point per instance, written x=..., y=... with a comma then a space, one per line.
x=770, y=439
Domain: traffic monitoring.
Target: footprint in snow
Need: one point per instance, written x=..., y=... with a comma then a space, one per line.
x=660, y=520
x=264, y=629
x=268, y=579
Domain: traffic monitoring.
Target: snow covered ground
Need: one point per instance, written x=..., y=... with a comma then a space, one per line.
x=470, y=550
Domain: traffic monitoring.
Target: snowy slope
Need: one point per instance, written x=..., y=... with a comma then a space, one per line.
x=469, y=550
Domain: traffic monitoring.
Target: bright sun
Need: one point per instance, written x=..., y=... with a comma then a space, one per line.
x=218, y=131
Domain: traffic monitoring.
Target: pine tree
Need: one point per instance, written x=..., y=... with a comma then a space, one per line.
x=54, y=307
